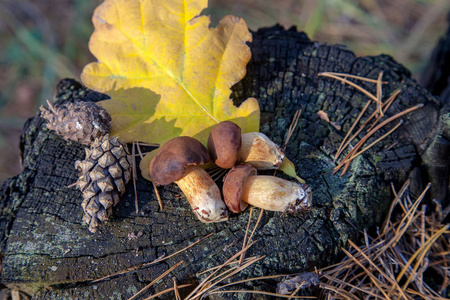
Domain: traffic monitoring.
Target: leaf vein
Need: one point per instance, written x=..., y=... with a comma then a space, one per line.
x=166, y=71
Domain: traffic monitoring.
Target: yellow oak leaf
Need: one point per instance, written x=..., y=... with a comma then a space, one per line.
x=167, y=73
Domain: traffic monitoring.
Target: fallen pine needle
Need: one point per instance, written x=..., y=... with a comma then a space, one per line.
x=235, y=263
x=244, y=243
x=343, y=144
x=409, y=216
x=158, y=196
x=396, y=200
x=292, y=296
x=347, y=142
x=175, y=289
x=155, y=280
x=420, y=253
x=160, y=259
x=376, y=141
x=345, y=75
x=292, y=127
x=370, y=133
x=261, y=212
x=252, y=279
x=386, y=106
x=344, y=283
x=262, y=293
x=133, y=153
x=166, y=291
x=238, y=269
x=368, y=272
x=207, y=279
x=392, y=265
x=217, y=173
x=359, y=88
x=380, y=94
x=390, y=280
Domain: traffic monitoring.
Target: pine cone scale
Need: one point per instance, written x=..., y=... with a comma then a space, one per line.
x=72, y=121
x=103, y=176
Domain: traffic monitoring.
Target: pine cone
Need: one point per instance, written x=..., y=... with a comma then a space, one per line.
x=103, y=176
x=81, y=122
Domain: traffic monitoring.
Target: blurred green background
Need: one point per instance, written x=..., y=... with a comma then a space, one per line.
x=42, y=42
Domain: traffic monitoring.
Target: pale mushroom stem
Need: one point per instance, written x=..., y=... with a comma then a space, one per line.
x=276, y=194
x=258, y=150
x=203, y=194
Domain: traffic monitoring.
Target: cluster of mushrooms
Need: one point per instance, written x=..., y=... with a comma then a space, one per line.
x=179, y=160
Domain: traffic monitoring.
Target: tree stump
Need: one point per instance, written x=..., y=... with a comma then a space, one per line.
x=48, y=251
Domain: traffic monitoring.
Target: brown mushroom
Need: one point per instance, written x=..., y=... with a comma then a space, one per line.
x=224, y=143
x=177, y=161
x=233, y=186
x=267, y=192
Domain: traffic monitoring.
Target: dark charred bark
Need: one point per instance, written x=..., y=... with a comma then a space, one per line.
x=436, y=76
x=46, y=247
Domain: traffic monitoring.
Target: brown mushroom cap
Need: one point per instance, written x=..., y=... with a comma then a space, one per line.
x=233, y=186
x=224, y=143
x=174, y=156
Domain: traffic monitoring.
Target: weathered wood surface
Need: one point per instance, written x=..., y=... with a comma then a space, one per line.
x=436, y=78
x=46, y=247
